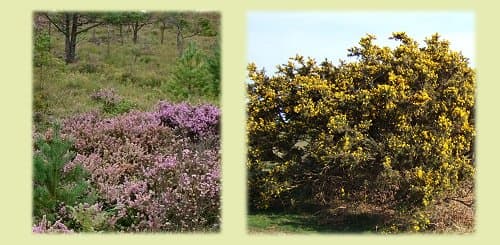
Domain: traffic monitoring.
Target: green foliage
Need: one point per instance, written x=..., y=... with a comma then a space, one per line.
x=213, y=62
x=51, y=185
x=88, y=68
x=40, y=103
x=121, y=107
x=41, y=55
x=193, y=74
x=206, y=29
x=395, y=128
x=115, y=18
x=130, y=17
x=89, y=218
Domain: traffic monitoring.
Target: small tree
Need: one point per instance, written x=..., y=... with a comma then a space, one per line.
x=41, y=52
x=162, y=20
x=117, y=19
x=137, y=20
x=214, y=63
x=52, y=185
x=192, y=74
x=186, y=25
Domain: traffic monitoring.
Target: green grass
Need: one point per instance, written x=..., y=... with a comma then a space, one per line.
x=282, y=223
x=313, y=223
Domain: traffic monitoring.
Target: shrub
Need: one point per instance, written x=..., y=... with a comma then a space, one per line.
x=129, y=77
x=151, y=82
x=41, y=54
x=152, y=177
x=45, y=226
x=213, y=62
x=112, y=103
x=53, y=184
x=191, y=76
x=89, y=217
x=394, y=127
x=88, y=67
x=43, y=59
x=107, y=96
x=194, y=120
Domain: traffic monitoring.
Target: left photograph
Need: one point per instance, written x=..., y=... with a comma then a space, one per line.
x=126, y=122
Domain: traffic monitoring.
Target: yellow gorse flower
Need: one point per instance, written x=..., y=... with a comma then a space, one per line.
x=402, y=115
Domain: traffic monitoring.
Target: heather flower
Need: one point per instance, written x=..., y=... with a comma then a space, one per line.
x=153, y=175
x=199, y=120
x=107, y=95
x=45, y=226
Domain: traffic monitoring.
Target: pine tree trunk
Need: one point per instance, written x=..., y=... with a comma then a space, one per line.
x=162, y=35
x=108, y=41
x=67, y=41
x=70, y=43
x=135, y=30
x=121, y=33
x=180, y=44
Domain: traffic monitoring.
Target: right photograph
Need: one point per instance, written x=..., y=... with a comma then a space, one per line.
x=361, y=122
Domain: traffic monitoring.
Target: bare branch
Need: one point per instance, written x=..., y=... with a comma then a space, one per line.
x=88, y=28
x=468, y=204
x=55, y=24
x=193, y=34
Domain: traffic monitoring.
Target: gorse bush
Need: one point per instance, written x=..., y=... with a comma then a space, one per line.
x=151, y=175
x=394, y=127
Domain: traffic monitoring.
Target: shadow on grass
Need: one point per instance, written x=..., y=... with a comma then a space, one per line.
x=316, y=223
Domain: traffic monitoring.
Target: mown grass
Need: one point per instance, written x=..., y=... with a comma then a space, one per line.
x=140, y=73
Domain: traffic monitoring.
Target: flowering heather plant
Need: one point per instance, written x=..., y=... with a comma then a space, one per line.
x=150, y=176
x=198, y=120
x=46, y=227
x=107, y=95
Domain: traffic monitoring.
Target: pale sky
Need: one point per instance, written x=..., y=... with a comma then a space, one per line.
x=273, y=37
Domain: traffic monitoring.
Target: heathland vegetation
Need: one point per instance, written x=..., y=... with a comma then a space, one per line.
x=126, y=121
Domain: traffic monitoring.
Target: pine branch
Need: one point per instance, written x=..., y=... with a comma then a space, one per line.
x=90, y=27
x=55, y=24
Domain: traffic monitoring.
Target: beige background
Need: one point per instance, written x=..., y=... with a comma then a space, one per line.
x=15, y=131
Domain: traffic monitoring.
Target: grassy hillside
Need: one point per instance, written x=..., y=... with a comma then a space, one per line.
x=140, y=73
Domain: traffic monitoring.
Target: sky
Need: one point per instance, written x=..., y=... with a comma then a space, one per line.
x=273, y=37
